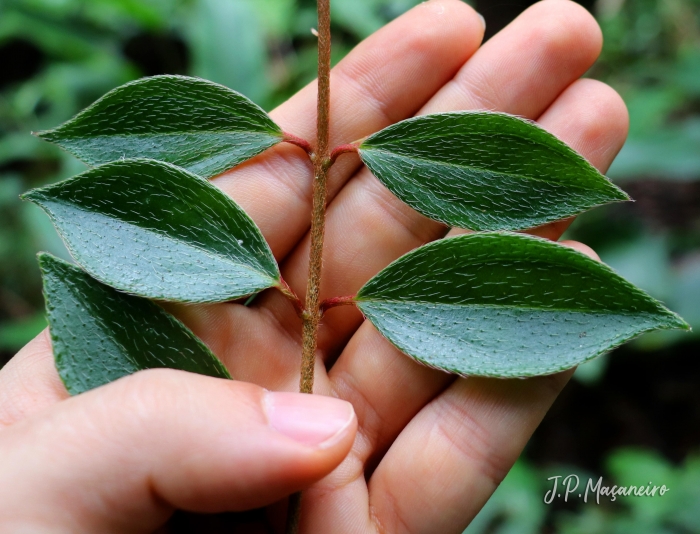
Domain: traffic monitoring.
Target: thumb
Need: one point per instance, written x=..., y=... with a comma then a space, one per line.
x=122, y=457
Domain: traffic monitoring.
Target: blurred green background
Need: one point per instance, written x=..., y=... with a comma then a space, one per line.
x=632, y=417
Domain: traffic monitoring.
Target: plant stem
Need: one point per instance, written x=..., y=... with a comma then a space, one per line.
x=293, y=513
x=337, y=301
x=344, y=149
x=322, y=162
x=298, y=141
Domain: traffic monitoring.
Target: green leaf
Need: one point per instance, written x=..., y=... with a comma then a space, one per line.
x=506, y=305
x=201, y=126
x=157, y=231
x=484, y=171
x=99, y=334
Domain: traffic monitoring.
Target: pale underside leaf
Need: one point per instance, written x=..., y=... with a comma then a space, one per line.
x=484, y=171
x=100, y=335
x=506, y=305
x=154, y=230
x=201, y=126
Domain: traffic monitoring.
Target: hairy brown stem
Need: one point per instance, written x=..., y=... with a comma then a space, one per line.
x=294, y=513
x=322, y=162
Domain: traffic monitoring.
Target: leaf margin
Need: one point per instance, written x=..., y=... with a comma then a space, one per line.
x=675, y=320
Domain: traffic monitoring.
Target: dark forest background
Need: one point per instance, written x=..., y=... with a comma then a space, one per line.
x=633, y=416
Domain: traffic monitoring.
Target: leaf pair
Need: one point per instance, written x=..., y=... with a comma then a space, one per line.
x=504, y=305
x=476, y=170
x=150, y=229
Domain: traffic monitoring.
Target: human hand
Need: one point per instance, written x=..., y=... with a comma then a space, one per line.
x=430, y=448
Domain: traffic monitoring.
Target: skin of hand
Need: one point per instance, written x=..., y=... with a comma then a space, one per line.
x=386, y=445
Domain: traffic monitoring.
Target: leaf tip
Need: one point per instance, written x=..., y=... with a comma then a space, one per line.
x=672, y=321
x=679, y=323
x=44, y=258
x=33, y=195
x=45, y=135
x=46, y=262
x=621, y=195
x=50, y=265
x=615, y=193
x=610, y=193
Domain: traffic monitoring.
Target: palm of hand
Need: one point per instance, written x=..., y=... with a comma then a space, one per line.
x=430, y=448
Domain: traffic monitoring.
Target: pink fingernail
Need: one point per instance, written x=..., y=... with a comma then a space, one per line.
x=313, y=420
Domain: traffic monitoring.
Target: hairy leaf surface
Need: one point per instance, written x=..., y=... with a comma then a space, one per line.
x=506, y=305
x=484, y=171
x=157, y=231
x=99, y=334
x=199, y=125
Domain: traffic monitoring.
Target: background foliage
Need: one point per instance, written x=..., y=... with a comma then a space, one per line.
x=635, y=414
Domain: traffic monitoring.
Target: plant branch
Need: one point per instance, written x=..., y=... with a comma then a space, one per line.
x=301, y=143
x=321, y=162
x=293, y=513
x=343, y=149
x=337, y=301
